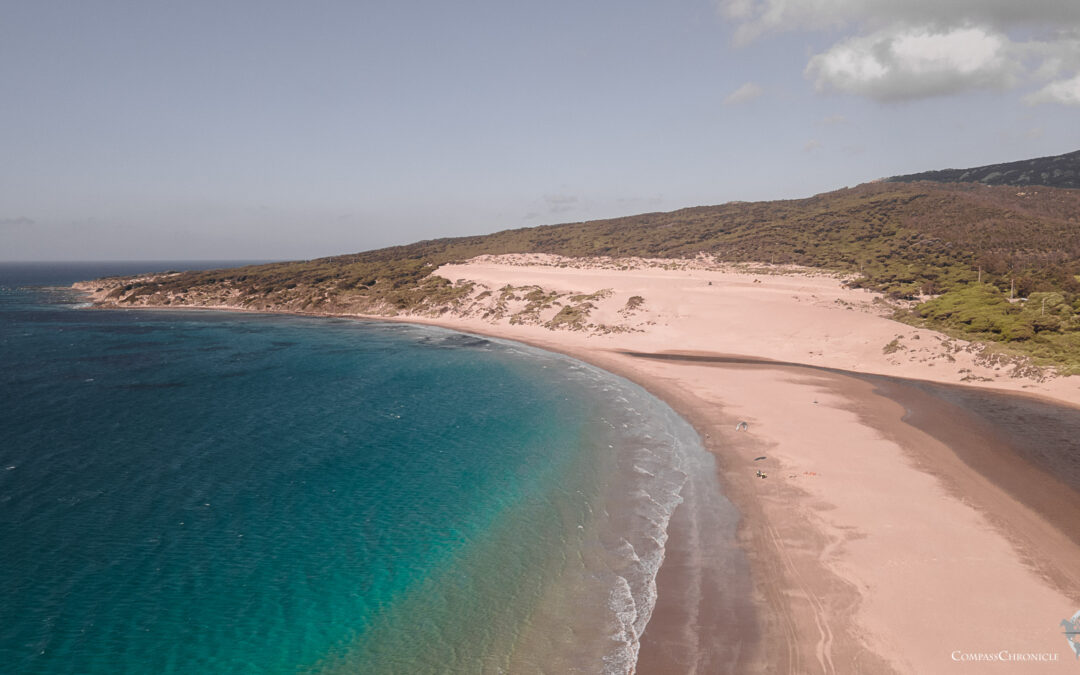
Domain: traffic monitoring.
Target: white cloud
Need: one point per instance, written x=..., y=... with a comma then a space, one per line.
x=891, y=65
x=554, y=205
x=738, y=9
x=21, y=221
x=561, y=203
x=641, y=202
x=812, y=145
x=757, y=17
x=834, y=120
x=1059, y=91
x=891, y=50
x=744, y=94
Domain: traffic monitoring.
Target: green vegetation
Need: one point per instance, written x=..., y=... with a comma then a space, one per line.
x=574, y=317
x=1044, y=325
x=536, y=300
x=971, y=245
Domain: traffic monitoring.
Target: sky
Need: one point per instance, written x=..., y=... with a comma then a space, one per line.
x=147, y=129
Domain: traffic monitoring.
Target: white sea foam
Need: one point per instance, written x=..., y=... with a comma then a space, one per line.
x=650, y=473
x=624, y=606
x=645, y=453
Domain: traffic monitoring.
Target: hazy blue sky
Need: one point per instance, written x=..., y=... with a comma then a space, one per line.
x=230, y=129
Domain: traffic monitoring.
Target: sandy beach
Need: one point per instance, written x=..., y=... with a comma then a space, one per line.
x=875, y=544
x=899, y=529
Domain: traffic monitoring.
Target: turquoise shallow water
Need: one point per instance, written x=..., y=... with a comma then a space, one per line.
x=221, y=493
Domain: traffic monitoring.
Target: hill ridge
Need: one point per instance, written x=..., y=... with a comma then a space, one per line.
x=1061, y=171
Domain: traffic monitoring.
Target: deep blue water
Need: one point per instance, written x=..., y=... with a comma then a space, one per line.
x=224, y=493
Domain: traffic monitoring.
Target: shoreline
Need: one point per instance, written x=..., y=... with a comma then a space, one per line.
x=751, y=633
x=860, y=507
x=790, y=551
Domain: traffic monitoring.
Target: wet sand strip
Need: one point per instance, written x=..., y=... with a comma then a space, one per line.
x=1024, y=445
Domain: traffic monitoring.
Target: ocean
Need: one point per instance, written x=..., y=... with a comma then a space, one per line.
x=211, y=492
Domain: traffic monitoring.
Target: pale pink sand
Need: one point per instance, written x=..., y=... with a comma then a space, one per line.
x=875, y=563
x=774, y=313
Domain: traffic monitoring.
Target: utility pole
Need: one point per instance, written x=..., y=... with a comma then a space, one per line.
x=1012, y=289
x=980, y=275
